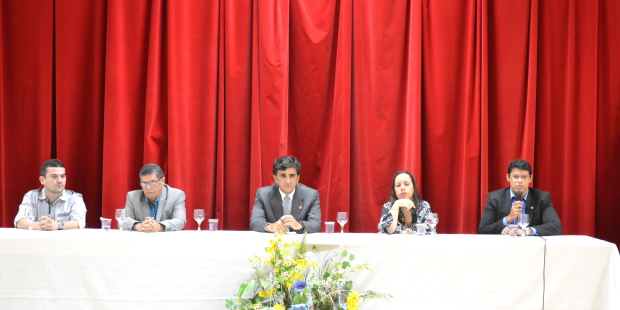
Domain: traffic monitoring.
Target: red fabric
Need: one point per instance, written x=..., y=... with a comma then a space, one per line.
x=214, y=91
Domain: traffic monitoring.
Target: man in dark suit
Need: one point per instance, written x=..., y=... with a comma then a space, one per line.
x=157, y=207
x=503, y=207
x=286, y=205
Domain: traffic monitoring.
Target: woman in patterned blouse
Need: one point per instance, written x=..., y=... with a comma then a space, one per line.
x=405, y=205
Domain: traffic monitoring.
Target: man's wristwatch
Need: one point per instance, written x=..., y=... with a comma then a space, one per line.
x=301, y=230
x=61, y=225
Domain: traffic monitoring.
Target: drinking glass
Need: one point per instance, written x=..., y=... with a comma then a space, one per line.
x=342, y=218
x=29, y=217
x=432, y=220
x=119, y=214
x=524, y=220
x=199, y=216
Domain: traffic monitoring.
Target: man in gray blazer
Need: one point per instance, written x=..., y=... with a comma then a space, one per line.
x=157, y=207
x=504, y=206
x=286, y=205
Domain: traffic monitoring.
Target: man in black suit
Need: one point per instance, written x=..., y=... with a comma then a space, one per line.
x=503, y=208
x=286, y=205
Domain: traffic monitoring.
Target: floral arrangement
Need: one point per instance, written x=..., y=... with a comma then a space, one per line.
x=285, y=278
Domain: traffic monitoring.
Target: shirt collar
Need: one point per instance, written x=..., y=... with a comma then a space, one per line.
x=512, y=195
x=282, y=194
x=156, y=201
x=62, y=197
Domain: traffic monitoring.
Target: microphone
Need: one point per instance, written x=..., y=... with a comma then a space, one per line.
x=518, y=195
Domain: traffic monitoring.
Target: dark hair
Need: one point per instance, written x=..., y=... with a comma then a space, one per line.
x=416, y=194
x=521, y=165
x=286, y=162
x=152, y=169
x=51, y=163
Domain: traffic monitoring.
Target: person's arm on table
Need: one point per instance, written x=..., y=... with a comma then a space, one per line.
x=258, y=221
x=78, y=213
x=312, y=224
x=179, y=219
x=551, y=224
x=488, y=222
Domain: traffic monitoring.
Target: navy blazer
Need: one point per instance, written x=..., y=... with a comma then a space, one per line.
x=538, y=205
x=305, y=208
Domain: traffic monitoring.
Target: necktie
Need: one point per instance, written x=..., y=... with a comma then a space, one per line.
x=286, y=205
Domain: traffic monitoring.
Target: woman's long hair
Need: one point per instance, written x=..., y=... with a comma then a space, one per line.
x=416, y=196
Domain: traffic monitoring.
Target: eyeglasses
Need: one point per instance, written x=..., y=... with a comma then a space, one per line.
x=522, y=177
x=152, y=183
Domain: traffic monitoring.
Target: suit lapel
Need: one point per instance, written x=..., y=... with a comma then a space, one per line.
x=298, y=202
x=531, y=204
x=276, y=202
x=144, y=206
x=508, y=203
x=162, y=203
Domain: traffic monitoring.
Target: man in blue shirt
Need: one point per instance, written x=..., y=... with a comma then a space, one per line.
x=503, y=207
x=157, y=207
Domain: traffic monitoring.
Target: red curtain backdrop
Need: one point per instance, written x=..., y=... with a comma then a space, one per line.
x=214, y=91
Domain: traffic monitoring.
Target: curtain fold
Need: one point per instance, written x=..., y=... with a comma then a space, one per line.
x=26, y=110
x=80, y=52
x=214, y=91
x=451, y=81
x=607, y=125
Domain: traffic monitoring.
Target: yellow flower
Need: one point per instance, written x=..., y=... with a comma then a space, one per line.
x=262, y=294
x=278, y=307
x=353, y=300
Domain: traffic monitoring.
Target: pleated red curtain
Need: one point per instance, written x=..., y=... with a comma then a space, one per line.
x=214, y=91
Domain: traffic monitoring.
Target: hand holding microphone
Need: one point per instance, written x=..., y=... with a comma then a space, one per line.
x=517, y=207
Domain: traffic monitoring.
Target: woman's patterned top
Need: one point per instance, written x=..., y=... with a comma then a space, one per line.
x=419, y=215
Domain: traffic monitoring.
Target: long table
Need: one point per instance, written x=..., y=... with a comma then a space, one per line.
x=95, y=269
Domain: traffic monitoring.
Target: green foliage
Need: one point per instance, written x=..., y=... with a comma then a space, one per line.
x=284, y=276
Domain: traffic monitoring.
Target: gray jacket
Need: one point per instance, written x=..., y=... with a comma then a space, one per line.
x=305, y=208
x=170, y=212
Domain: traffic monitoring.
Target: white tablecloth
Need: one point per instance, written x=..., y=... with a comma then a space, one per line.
x=93, y=269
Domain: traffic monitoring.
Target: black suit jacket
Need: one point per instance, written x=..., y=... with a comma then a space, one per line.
x=538, y=205
x=305, y=208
